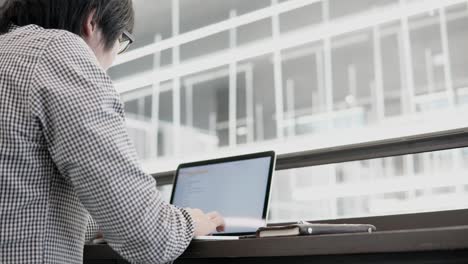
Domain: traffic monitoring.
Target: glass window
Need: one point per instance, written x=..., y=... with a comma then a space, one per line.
x=392, y=80
x=303, y=90
x=256, y=31
x=341, y=8
x=395, y=185
x=301, y=18
x=246, y=76
x=153, y=17
x=200, y=13
x=259, y=79
x=457, y=40
x=205, y=46
x=353, y=76
x=371, y=76
x=427, y=55
x=206, y=107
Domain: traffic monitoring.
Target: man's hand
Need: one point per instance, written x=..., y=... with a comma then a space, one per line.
x=206, y=223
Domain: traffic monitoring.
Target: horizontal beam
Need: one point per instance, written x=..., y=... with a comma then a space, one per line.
x=437, y=141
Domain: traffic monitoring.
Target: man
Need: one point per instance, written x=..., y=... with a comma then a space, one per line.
x=64, y=152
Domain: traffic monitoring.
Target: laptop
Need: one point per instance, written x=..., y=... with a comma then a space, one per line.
x=236, y=187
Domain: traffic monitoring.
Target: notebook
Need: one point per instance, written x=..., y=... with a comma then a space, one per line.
x=236, y=187
x=306, y=228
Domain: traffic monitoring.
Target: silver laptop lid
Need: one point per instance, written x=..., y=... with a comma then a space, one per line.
x=236, y=187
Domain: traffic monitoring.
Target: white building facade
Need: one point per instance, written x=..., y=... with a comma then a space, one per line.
x=215, y=78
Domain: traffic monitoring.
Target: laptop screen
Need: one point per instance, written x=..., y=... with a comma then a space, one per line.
x=237, y=188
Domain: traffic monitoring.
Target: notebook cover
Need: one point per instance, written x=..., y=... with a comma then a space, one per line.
x=317, y=229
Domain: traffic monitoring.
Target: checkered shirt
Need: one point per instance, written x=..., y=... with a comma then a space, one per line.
x=65, y=155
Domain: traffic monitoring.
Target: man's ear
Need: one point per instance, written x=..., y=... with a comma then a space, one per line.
x=89, y=26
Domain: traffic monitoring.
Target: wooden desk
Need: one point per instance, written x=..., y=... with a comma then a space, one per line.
x=434, y=245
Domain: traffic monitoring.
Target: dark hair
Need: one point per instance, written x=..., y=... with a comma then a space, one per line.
x=112, y=16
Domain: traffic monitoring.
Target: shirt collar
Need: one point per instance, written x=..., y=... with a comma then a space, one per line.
x=13, y=27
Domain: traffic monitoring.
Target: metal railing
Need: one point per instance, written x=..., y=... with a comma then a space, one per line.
x=443, y=140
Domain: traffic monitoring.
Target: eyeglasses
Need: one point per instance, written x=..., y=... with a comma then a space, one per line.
x=125, y=41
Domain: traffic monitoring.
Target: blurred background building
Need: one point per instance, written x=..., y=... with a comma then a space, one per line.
x=211, y=78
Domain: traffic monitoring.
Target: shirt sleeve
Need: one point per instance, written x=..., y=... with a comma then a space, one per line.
x=83, y=123
x=92, y=230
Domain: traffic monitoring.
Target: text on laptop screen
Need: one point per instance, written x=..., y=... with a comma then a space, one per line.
x=236, y=190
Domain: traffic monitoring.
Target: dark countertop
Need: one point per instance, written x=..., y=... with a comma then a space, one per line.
x=416, y=240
